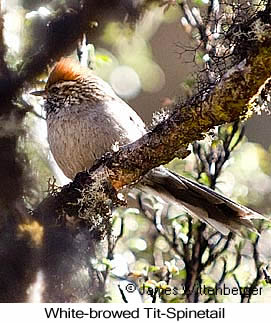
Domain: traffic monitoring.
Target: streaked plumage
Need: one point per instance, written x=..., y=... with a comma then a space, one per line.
x=85, y=118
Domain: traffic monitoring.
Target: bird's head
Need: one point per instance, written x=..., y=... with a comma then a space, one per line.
x=71, y=84
x=64, y=74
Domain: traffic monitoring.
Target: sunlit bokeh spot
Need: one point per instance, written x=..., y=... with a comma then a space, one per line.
x=125, y=82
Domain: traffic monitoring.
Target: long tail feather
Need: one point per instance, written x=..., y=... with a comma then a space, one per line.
x=209, y=206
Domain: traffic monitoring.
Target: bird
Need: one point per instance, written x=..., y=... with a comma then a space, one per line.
x=85, y=118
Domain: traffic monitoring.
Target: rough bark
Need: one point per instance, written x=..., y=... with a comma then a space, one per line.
x=231, y=99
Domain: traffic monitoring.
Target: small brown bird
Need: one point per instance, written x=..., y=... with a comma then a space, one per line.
x=85, y=118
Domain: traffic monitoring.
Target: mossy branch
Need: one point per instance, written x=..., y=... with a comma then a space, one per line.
x=229, y=100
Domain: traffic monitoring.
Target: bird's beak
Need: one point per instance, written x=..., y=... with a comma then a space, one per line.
x=39, y=93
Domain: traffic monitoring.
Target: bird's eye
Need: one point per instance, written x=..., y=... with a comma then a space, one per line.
x=54, y=89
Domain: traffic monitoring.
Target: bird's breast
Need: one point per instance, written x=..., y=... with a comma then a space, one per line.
x=81, y=134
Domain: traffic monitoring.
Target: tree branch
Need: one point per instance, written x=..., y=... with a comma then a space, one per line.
x=229, y=100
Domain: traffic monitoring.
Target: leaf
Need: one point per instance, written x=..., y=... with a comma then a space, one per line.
x=103, y=58
x=107, y=262
x=182, y=274
x=252, y=236
x=153, y=268
x=204, y=179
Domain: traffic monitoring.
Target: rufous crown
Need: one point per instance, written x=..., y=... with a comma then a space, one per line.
x=66, y=69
